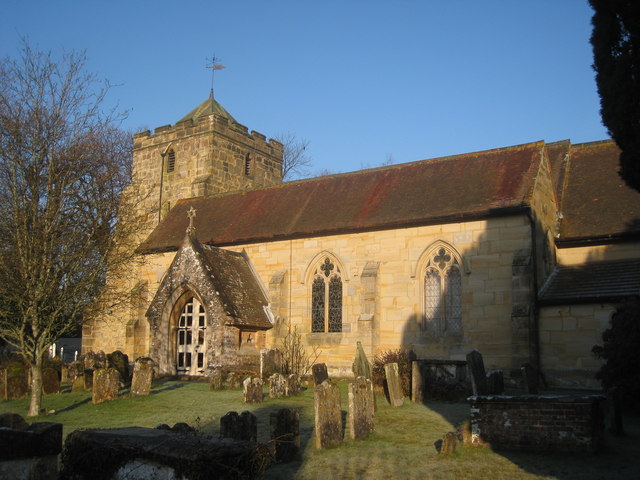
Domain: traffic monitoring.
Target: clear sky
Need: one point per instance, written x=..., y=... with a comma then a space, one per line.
x=362, y=81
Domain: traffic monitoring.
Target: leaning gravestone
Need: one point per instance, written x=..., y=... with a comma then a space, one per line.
x=106, y=382
x=328, y=422
x=530, y=378
x=239, y=427
x=361, y=366
x=478, y=375
x=120, y=361
x=50, y=381
x=277, y=386
x=292, y=384
x=285, y=434
x=319, y=371
x=417, y=381
x=252, y=389
x=495, y=382
x=142, y=377
x=396, y=397
x=16, y=381
x=361, y=410
x=270, y=362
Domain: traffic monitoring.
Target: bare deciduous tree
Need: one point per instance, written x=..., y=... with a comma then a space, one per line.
x=65, y=210
x=295, y=162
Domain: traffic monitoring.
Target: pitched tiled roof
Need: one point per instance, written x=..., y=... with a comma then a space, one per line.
x=450, y=189
x=596, y=204
x=593, y=282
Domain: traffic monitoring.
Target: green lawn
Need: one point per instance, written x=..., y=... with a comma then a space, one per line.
x=401, y=447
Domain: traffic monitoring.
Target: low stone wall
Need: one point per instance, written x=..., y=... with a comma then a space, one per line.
x=539, y=423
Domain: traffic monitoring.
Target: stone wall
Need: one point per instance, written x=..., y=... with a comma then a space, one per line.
x=536, y=423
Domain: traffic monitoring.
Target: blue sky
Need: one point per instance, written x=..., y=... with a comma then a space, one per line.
x=362, y=81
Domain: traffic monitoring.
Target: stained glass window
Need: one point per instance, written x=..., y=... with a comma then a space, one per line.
x=442, y=293
x=326, y=298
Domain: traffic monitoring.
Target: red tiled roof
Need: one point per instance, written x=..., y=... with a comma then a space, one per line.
x=441, y=190
x=596, y=204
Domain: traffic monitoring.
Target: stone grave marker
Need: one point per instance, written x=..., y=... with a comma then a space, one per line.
x=361, y=366
x=529, y=378
x=69, y=371
x=252, y=389
x=285, y=434
x=319, y=371
x=495, y=382
x=16, y=381
x=3, y=383
x=120, y=362
x=360, y=419
x=328, y=415
x=447, y=445
x=277, y=386
x=93, y=360
x=270, y=362
x=396, y=397
x=87, y=377
x=106, y=383
x=216, y=381
x=78, y=383
x=142, y=377
x=292, y=386
x=417, y=381
x=478, y=375
x=50, y=381
x=239, y=427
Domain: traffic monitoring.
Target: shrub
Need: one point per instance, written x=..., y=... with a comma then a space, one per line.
x=295, y=358
x=403, y=358
x=621, y=353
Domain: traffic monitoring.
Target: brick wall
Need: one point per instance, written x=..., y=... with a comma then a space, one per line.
x=539, y=423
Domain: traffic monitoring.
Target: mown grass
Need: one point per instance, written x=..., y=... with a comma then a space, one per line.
x=402, y=446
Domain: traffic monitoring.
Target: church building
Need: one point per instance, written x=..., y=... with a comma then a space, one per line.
x=521, y=253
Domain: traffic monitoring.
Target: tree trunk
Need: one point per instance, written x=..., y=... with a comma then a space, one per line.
x=36, y=387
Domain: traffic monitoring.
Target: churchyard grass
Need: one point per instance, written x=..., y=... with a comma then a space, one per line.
x=401, y=446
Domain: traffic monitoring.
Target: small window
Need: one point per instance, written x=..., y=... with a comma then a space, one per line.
x=171, y=160
x=247, y=164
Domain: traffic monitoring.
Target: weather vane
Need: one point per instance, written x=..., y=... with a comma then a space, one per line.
x=213, y=65
x=191, y=230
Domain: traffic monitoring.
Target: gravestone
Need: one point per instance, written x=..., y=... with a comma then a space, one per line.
x=361, y=366
x=78, y=383
x=239, y=427
x=13, y=421
x=396, y=397
x=447, y=445
x=285, y=434
x=319, y=371
x=88, y=379
x=142, y=377
x=495, y=382
x=120, y=362
x=93, y=360
x=70, y=371
x=529, y=378
x=216, y=381
x=328, y=419
x=478, y=375
x=277, y=386
x=417, y=381
x=270, y=362
x=16, y=381
x=106, y=382
x=50, y=381
x=252, y=389
x=3, y=383
x=292, y=384
x=361, y=410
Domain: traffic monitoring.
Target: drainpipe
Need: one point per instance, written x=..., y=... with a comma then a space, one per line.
x=161, y=182
x=534, y=339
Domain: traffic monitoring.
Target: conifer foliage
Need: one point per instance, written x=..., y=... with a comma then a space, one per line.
x=616, y=54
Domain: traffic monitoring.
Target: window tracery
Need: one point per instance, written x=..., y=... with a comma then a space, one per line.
x=442, y=293
x=326, y=298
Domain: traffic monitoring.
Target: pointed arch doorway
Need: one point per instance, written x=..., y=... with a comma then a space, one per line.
x=191, y=329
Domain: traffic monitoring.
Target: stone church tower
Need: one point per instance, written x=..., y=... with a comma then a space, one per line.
x=204, y=153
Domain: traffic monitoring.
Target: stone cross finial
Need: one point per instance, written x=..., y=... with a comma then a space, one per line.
x=191, y=214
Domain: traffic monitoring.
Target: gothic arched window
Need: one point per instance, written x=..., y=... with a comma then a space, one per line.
x=326, y=298
x=442, y=293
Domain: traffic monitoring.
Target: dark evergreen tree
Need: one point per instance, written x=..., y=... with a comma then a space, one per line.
x=616, y=53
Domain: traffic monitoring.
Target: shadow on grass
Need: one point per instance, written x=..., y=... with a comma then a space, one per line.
x=165, y=386
x=74, y=405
